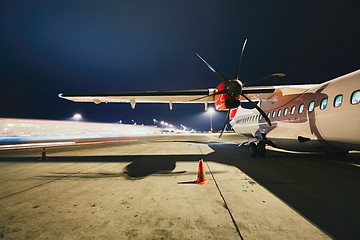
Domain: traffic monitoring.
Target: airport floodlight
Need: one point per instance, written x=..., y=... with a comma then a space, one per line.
x=162, y=122
x=154, y=120
x=211, y=111
x=120, y=121
x=77, y=116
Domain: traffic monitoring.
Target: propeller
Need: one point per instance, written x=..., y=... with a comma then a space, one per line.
x=233, y=89
x=223, y=79
x=266, y=77
x=226, y=122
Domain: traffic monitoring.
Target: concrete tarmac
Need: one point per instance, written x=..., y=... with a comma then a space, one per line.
x=146, y=190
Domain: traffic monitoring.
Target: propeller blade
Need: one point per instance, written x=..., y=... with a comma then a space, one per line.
x=259, y=109
x=279, y=75
x=222, y=78
x=214, y=94
x=241, y=55
x=226, y=122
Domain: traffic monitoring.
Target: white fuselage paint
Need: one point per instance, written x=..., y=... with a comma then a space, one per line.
x=321, y=130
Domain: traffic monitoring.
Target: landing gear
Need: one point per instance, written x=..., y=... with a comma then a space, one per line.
x=252, y=150
x=257, y=150
x=261, y=149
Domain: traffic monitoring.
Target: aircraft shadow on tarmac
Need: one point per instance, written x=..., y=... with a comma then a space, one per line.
x=328, y=195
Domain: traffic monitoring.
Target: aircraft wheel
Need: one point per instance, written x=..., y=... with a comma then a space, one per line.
x=261, y=150
x=252, y=149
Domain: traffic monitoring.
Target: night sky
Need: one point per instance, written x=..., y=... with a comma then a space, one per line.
x=52, y=47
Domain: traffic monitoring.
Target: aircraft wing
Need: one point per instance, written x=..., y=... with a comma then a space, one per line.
x=176, y=96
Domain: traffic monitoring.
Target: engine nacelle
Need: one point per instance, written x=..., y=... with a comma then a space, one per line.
x=223, y=101
x=221, y=98
x=234, y=103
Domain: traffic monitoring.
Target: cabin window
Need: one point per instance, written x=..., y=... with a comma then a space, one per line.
x=355, y=97
x=338, y=100
x=279, y=113
x=301, y=108
x=286, y=111
x=256, y=118
x=323, y=103
x=260, y=117
x=268, y=114
x=292, y=111
x=311, y=106
x=274, y=113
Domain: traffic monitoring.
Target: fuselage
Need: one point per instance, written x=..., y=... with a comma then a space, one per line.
x=322, y=117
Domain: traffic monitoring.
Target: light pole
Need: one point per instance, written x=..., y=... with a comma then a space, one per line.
x=211, y=111
x=154, y=120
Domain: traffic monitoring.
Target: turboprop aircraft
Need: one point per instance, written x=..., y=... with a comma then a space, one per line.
x=321, y=117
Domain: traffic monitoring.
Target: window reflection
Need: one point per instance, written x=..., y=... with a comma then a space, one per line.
x=323, y=103
x=311, y=106
x=355, y=97
x=338, y=100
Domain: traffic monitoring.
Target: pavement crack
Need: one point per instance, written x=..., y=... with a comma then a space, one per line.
x=225, y=203
x=224, y=200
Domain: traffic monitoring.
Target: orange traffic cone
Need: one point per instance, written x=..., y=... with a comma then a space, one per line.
x=201, y=173
x=43, y=155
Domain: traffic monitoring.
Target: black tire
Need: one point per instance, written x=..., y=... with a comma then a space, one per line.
x=252, y=149
x=261, y=150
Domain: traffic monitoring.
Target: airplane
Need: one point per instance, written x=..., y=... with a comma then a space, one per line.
x=321, y=117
